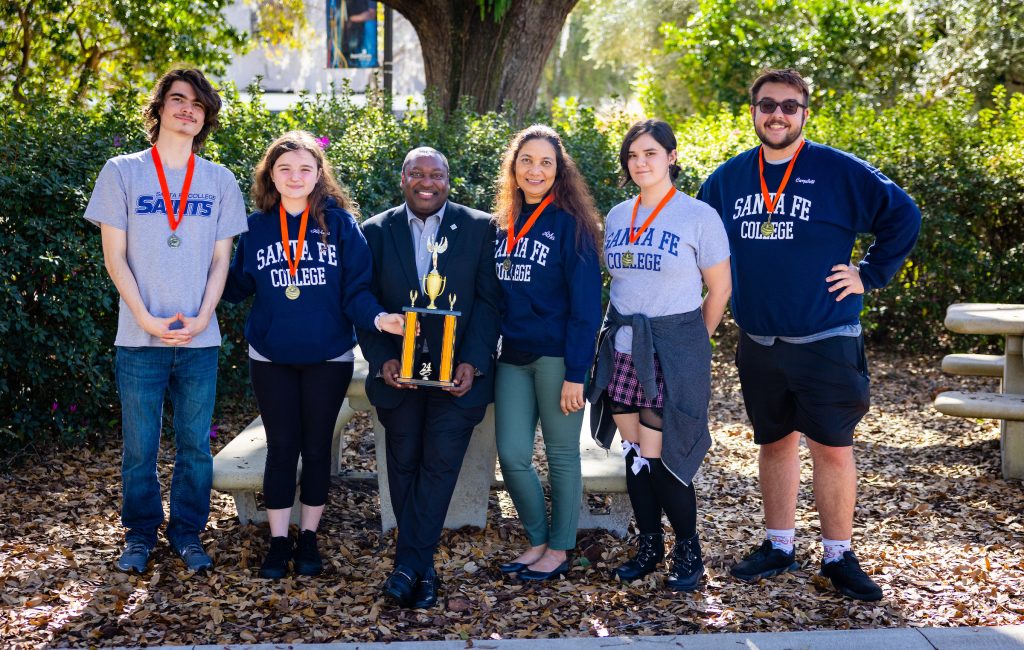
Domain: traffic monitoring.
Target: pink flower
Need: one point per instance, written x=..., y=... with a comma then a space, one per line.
x=324, y=142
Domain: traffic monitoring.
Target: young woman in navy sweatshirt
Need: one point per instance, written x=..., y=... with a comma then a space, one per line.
x=547, y=260
x=309, y=266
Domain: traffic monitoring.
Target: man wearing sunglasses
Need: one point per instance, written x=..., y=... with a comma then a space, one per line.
x=792, y=210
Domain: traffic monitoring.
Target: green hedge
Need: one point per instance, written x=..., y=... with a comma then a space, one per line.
x=965, y=169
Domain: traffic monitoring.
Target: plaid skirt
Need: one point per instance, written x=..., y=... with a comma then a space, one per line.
x=625, y=388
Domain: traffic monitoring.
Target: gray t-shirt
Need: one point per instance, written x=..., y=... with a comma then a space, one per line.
x=665, y=275
x=127, y=196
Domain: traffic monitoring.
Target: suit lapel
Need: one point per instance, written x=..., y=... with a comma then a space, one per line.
x=398, y=228
x=451, y=227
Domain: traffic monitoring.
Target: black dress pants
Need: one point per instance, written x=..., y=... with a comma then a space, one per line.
x=426, y=437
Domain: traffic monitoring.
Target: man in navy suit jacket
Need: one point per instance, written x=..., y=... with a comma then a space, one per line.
x=427, y=430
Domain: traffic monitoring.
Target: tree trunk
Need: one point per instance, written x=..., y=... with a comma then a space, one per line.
x=26, y=56
x=493, y=61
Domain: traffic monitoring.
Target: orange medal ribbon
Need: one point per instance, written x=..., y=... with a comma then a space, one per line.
x=634, y=236
x=292, y=291
x=768, y=202
x=513, y=239
x=174, y=220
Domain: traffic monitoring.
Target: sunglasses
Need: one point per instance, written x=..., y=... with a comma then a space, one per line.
x=789, y=107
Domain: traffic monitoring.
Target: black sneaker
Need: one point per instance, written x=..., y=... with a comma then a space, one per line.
x=275, y=564
x=194, y=557
x=850, y=580
x=307, y=556
x=134, y=558
x=764, y=562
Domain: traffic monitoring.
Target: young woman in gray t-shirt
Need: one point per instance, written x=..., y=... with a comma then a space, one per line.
x=661, y=249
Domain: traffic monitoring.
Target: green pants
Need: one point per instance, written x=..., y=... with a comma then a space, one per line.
x=522, y=394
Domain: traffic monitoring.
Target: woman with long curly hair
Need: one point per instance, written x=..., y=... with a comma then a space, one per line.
x=654, y=365
x=547, y=260
x=309, y=266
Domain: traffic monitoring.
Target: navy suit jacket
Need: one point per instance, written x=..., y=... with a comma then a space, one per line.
x=468, y=267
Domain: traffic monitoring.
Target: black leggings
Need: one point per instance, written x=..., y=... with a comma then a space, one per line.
x=299, y=405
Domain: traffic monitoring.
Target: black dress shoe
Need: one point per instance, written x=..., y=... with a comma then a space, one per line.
x=512, y=567
x=398, y=588
x=425, y=595
x=539, y=576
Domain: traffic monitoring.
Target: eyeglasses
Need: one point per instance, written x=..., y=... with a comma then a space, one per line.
x=789, y=107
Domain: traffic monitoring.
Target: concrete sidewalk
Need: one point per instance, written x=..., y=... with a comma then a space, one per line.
x=929, y=638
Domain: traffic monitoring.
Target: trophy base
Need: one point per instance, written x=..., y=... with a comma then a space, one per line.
x=425, y=382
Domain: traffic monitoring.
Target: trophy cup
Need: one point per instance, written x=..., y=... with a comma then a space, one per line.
x=433, y=285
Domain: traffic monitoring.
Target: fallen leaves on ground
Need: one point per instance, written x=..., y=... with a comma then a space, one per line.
x=936, y=526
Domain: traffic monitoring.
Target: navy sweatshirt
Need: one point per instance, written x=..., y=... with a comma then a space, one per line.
x=333, y=278
x=778, y=282
x=552, y=292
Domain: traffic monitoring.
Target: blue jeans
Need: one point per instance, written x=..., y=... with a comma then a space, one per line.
x=144, y=375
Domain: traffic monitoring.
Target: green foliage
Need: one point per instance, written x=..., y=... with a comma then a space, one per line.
x=876, y=50
x=863, y=47
x=965, y=169
x=52, y=48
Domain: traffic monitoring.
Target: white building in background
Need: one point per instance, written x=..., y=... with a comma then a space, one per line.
x=288, y=72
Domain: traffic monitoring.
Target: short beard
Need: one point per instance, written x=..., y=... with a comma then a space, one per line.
x=786, y=142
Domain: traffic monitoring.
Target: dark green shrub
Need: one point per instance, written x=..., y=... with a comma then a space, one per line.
x=965, y=169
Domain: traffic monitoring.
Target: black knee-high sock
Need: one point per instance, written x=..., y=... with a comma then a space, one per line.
x=643, y=498
x=679, y=501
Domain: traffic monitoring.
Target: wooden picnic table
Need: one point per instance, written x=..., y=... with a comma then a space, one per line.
x=1006, y=320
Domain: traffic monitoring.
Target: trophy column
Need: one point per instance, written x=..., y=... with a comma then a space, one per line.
x=408, y=346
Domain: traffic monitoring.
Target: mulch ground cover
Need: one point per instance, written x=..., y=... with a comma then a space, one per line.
x=936, y=526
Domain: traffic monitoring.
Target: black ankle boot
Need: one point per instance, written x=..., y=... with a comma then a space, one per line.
x=275, y=565
x=650, y=550
x=307, y=556
x=687, y=565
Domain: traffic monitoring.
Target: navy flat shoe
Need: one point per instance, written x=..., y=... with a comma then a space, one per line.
x=512, y=567
x=530, y=575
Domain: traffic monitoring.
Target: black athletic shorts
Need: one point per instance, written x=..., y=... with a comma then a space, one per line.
x=820, y=389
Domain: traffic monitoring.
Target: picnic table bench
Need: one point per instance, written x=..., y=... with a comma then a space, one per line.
x=1007, y=404
x=238, y=470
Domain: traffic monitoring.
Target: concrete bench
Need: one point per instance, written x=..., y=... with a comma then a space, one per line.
x=995, y=406
x=604, y=473
x=238, y=470
x=238, y=467
x=974, y=365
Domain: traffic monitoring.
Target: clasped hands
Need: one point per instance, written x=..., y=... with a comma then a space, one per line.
x=176, y=330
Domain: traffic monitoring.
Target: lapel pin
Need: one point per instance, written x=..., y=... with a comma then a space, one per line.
x=455, y=226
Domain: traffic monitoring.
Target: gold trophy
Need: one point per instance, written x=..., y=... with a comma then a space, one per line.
x=433, y=285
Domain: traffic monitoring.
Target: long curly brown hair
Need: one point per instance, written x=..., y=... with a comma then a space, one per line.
x=570, y=189
x=266, y=197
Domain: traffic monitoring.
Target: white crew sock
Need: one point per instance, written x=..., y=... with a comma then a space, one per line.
x=782, y=538
x=834, y=549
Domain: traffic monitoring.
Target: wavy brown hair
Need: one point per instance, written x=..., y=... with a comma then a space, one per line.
x=205, y=95
x=266, y=197
x=569, y=189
